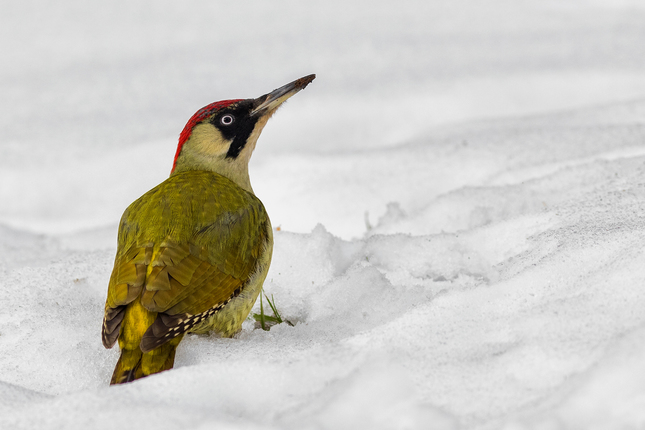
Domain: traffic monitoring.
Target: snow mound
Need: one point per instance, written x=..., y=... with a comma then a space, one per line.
x=485, y=304
x=458, y=199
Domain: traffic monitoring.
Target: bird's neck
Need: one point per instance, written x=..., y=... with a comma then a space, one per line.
x=235, y=170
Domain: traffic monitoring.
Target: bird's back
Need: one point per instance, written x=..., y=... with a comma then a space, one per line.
x=192, y=255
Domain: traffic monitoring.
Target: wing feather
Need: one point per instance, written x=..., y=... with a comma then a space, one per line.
x=189, y=258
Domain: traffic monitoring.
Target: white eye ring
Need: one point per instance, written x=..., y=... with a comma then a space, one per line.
x=227, y=119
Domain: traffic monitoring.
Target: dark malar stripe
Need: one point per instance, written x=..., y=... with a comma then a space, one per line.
x=240, y=130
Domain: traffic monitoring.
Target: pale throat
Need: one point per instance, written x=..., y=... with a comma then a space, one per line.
x=206, y=149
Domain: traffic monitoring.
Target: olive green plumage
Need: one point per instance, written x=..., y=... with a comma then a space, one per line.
x=192, y=255
x=194, y=251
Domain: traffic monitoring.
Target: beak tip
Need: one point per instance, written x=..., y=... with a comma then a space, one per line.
x=304, y=81
x=276, y=97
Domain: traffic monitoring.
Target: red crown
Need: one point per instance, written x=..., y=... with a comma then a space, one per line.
x=204, y=112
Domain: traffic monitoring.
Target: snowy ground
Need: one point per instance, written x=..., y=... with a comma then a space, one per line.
x=460, y=196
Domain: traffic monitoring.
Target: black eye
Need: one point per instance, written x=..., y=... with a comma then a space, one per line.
x=227, y=119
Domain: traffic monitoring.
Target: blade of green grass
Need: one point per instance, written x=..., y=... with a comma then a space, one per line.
x=266, y=321
x=262, y=313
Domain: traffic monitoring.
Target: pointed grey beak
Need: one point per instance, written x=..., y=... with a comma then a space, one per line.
x=275, y=98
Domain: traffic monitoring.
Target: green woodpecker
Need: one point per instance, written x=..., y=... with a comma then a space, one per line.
x=194, y=251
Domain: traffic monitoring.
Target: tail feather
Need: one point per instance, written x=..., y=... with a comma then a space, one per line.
x=134, y=364
x=127, y=366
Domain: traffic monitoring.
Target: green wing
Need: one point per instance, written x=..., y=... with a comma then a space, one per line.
x=187, y=247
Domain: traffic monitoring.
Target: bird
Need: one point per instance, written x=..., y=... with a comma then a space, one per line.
x=193, y=252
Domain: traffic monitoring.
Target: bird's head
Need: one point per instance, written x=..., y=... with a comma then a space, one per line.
x=221, y=137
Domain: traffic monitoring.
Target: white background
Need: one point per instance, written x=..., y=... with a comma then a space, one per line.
x=460, y=195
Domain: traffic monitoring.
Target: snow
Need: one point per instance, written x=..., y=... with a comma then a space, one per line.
x=460, y=199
